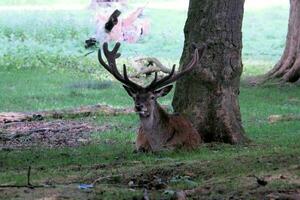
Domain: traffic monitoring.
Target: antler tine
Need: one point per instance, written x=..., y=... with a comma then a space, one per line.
x=153, y=81
x=111, y=66
x=102, y=62
x=172, y=77
x=116, y=49
x=155, y=84
x=129, y=83
x=111, y=57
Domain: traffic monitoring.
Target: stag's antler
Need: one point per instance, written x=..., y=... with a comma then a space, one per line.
x=111, y=66
x=172, y=77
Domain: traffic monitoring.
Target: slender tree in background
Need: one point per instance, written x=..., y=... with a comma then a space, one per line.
x=209, y=96
x=288, y=67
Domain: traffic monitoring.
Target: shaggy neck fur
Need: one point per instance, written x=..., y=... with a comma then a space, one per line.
x=156, y=127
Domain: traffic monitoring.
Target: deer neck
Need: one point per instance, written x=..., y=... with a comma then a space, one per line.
x=156, y=127
x=157, y=119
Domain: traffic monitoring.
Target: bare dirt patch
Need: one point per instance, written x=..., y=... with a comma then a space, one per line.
x=56, y=193
x=52, y=134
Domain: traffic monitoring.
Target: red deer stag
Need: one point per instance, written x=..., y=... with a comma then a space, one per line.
x=158, y=129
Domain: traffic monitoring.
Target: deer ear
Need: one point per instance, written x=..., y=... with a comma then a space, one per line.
x=129, y=91
x=164, y=91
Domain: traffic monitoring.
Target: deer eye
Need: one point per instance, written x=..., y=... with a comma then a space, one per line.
x=152, y=97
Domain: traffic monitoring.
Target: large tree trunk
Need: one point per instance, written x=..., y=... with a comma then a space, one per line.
x=209, y=96
x=288, y=67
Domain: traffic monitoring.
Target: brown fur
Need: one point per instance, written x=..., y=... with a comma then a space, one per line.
x=176, y=132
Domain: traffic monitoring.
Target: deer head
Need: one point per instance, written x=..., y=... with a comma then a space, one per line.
x=145, y=98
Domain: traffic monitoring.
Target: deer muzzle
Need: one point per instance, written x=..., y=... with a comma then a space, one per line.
x=142, y=110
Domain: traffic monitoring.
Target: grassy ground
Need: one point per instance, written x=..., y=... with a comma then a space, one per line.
x=42, y=66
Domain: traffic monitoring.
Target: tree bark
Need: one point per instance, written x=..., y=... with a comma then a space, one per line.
x=209, y=95
x=288, y=67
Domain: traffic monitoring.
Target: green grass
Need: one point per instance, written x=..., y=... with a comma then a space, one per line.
x=41, y=57
x=39, y=89
x=275, y=147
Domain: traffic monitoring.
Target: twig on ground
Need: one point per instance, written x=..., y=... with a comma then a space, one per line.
x=28, y=176
x=28, y=185
x=105, y=178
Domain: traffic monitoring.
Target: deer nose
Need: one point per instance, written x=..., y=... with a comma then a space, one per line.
x=138, y=107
